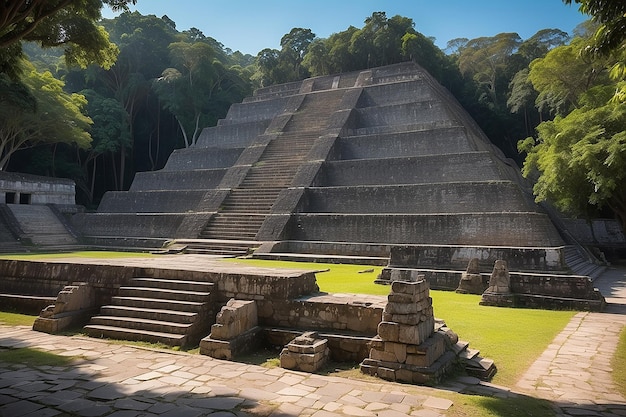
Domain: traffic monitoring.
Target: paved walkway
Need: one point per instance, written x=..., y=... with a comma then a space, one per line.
x=575, y=370
x=122, y=381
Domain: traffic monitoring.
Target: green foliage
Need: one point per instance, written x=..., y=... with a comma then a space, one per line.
x=68, y=23
x=581, y=157
x=611, y=15
x=40, y=111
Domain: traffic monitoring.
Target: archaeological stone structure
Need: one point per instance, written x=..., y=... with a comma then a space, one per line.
x=379, y=167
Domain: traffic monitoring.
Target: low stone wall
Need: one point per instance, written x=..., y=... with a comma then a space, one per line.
x=474, y=229
x=457, y=257
x=531, y=290
x=402, y=144
x=49, y=278
x=331, y=312
x=201, y=179
x=459, y=197
x=411, y=170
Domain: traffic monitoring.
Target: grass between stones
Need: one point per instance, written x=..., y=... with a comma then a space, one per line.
x=619, y=364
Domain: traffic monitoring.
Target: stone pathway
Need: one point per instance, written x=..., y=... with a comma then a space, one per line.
x=575, y=370
x=118, y=380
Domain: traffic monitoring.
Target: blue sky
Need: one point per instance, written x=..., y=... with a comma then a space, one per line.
x=252, y=25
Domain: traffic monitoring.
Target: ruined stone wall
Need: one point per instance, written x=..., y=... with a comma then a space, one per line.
x=458, y=257
x=41, y=190
x=344, y=313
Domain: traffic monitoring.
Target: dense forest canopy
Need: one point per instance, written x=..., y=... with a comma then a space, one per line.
x=138, y=88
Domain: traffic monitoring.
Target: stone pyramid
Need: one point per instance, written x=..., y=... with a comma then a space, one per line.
x=350, y=165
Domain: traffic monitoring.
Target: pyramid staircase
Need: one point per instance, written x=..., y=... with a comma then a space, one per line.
x=244, y=210
x=171, y=311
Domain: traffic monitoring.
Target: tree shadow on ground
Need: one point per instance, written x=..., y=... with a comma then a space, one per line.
x=44, y=383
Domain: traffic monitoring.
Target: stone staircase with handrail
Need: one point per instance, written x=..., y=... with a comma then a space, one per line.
x=245, y=208
x=176, y=312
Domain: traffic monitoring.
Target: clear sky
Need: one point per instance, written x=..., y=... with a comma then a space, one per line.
x=252, y=25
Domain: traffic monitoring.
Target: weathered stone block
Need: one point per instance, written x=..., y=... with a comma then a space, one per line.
x=235, y=318
x=389, y=331
x=411, y=288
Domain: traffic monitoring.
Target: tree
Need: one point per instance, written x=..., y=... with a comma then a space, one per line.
x=294, y=47
x=109, y=134
x=484, y=59
x=197, y=88
x=563, y=75
x=611, y=15
x=581, y=157
x=71, y=23
x=39, y=112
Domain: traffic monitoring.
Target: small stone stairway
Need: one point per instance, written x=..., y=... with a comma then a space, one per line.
x=244, y=210
x=580, y=265
x=170, y=311
x=41, y=225
x=474, y=364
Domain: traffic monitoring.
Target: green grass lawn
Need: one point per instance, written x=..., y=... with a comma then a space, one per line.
x=14, y=319
x=513, y=338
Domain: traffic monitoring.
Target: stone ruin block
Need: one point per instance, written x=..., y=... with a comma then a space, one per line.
x=471, y=280
x=407, y=349
x=235, y=332
x=308, y=353
x=499, y=291
x=74, y=305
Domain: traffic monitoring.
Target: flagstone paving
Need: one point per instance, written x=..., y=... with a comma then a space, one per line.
x=109, y=379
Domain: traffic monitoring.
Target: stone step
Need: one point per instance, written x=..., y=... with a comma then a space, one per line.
x=223, y=234
x=157, y=304
x=164, y=293
x=135, y=323
x=149, y=314
x=173, y=284
x=112, y=332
